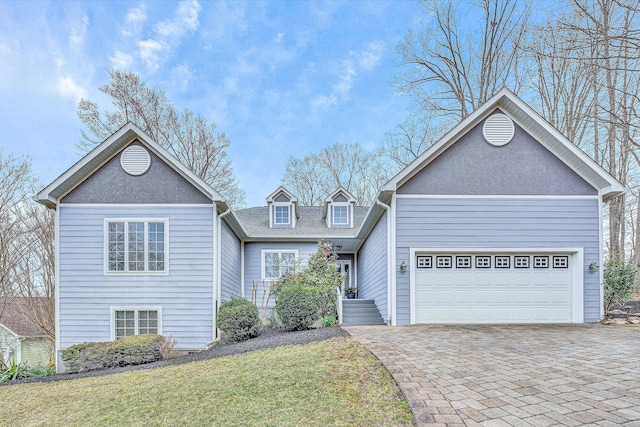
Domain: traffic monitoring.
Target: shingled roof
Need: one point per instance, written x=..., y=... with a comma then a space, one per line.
x=311, y=223
x=14, y=315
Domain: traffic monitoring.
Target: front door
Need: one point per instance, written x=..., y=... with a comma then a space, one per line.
x=344, y=266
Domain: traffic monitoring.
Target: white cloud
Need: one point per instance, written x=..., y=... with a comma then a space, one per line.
x=77, y=34
x=137, y=15
x=68, y=88
x=370, y=58
x=121, y=60
x=134, y=20
x=149, y=50
x=186, y=18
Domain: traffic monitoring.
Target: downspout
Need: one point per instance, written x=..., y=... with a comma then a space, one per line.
x=389, y=260
x=218, y=269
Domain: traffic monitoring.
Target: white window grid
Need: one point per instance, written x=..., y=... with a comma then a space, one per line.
x=521, y=262
x=444, y=261
x=424, y=262
x=483, y=261
x=127, y=321
x=277, y=263
x=135, y=245
x=463, y=262
x=502, y=261
x=340, y=214
x=282, y=214
x=560, y=262
x=541, y=261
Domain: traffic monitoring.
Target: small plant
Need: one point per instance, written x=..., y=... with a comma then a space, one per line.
x=328, y=321
x=166, y=346
x=239, y=319
x=620, y=282
x=19, y=371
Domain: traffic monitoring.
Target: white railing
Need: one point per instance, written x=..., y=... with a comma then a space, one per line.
x=339, y=305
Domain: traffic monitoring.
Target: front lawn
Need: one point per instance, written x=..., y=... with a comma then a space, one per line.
x=335, y=382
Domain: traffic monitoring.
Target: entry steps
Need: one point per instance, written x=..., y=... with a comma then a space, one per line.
x=357, y=312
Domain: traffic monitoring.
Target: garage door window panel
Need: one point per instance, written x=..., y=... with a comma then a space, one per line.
x=540, y=262
x=444, y=261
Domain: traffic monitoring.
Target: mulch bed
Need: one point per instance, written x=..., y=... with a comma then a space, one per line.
x=269, y=338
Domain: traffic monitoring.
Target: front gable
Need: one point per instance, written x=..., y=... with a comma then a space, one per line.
x=473, y=166
x=158, y=184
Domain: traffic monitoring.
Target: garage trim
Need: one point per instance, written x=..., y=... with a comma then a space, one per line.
x=576, y=254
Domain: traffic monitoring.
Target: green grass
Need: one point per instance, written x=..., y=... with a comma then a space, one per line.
x=330, y=383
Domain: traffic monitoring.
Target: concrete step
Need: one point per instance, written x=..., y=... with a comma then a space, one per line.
x=360, y=312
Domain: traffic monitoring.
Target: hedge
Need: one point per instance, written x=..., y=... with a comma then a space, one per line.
x=133, y=350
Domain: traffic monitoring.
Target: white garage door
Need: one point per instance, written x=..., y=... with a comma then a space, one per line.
x=493, y=288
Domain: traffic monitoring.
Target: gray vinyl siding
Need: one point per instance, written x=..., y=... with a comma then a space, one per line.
x=230, y=264
x=472, y=166
x=253, y=266
x=86, y=293
x=488, y=223
x=160, y=184
x=372, y=266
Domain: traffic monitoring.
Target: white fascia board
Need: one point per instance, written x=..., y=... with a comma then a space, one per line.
x=9, y=330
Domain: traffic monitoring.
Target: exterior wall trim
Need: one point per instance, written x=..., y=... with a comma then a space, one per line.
x=56, y=294
x=114, y=308
x=105, y=252
x=577, y=296
x=266, y=251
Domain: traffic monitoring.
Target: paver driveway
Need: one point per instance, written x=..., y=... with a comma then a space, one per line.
x=513, y=375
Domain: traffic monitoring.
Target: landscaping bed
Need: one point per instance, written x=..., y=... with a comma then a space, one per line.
x=268, y=338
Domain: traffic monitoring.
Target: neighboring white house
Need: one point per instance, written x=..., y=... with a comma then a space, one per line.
x=21, y=340
x=498, y=222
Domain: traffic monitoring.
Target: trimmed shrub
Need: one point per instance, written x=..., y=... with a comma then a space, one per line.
x=297, y=306
x=620, y=281
x=133, y=350
x=239, y=320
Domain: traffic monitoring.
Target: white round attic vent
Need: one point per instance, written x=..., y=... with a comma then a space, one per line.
x=498, y=130
x=135, y=160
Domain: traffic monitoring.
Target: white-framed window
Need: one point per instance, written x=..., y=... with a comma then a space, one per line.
x=541, y=261
x=277, y=263
x=340, y=214
x=424, y=261
x=521, y=261
x=561, y=261
x=136, y=245
x=443, y=261
x=463, y=261
x=483, y=261
x=128, y=321
x=282, y=214
x=502, y=262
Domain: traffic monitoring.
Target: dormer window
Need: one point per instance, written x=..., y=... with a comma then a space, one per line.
x=340, y=214
x=283, y=209
x=282, y=214
x=338, y=209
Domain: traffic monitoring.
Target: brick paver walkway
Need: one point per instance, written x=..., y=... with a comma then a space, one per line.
x=513, y=375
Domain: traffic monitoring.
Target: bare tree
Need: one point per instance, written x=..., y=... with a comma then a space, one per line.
x=191, y=138
x=412, y=138
x=359, y=171
x=15, y=180
x=454, y=67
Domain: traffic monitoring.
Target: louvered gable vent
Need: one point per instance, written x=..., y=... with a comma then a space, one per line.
x=135, y=160
x=498, y=130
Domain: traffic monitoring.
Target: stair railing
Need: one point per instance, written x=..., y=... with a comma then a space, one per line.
x=339, y=304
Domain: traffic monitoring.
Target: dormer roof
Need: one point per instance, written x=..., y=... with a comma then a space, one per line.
x=331, y=198
x=272, y=198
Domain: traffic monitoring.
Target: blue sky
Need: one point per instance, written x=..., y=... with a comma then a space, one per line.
x=280, y=78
